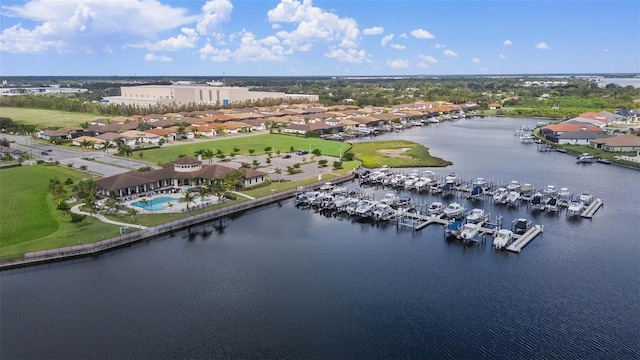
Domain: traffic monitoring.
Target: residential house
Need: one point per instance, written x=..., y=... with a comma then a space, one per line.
x=180, y=175
x=7, y=151
x=620, y=143
x=579, y=137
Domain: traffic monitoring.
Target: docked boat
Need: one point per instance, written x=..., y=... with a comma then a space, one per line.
x=514, y=185
x=586, y=158
x=513, y=197
x=435, y=208
x=526, y=190
x=520, y=226
x=481, y=182
x=475, y=216
x=551, y=205
x=576, y=207
x=382, y=212
x=452, y=178
x=422, y=183
x=500, y=196
x=537, y=201
x=527, y=139
x=326, y=186
x=469, y=231
x=564, y=194
x=586, y=197
x=365, y=208
x=389, y=199
x=551, y=191
x=502, y=239
x=453, y=210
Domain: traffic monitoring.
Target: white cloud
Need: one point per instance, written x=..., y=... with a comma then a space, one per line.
x=507, y=42
x=542, y=46
x=353, y=56
x=214, y=12
x=450, y=53
x=475, y=61
x=250, y=49
x=423, y=66
x=386, y=39
x=376, y=30
x=397, y=46
x=439, y=46
x=404, y=36
x=188, y=39
x=208, y=52
x=501, y=56
x=429, y=59
x=422, y=34
x=484, y=69
x=398, y=64
x=276, y=26
x=88, y=25
x=315, y=25
x=153, y=57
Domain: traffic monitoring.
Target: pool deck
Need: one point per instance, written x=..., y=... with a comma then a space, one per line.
x=178, y=206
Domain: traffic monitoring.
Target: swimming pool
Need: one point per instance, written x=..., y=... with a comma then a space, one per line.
x=155, y=204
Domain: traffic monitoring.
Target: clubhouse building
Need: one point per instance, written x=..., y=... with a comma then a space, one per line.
x=183, y=174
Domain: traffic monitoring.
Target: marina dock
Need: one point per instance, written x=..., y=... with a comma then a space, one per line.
x=592, y=208
x=525, y=238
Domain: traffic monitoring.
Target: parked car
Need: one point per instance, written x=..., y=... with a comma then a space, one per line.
x=44, y=153
x=286, y=156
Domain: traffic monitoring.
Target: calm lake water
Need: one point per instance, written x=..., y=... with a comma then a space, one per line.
x=282, y=282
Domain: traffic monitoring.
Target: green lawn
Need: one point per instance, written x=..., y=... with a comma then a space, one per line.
x=258, y=143
x=396, y=153
x=47, y=118
x=28, y=218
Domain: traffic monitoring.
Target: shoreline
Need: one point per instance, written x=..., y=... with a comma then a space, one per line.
x=106, y=245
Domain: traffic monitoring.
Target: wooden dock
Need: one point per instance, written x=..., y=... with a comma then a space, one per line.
x=592, y=208
x=525, y=238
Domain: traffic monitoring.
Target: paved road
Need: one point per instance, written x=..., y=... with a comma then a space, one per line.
x=103, y=164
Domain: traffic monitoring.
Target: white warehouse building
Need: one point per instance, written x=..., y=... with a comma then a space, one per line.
x=150, y=95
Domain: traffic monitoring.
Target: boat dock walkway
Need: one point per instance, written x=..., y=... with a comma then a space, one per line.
x=419, y=221
x=524, y=239
x=592, y=208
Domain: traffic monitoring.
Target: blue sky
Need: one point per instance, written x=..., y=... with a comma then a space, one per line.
x=317, y=38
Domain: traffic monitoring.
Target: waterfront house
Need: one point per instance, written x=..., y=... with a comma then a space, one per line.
x=620, y=143
x=7, y=151
x=579, y=137
x=184, y=173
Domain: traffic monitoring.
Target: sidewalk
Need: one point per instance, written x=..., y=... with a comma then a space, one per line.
x=76, y=209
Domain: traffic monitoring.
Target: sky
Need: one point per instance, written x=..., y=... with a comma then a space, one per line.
x=317, y=38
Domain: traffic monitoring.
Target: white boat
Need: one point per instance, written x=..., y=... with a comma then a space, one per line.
x=551, y=191
x=382, y=211
x=469, y=231
x=513, y=197
x=410, y=181
x=453, y=210
x=482, y=182
x=576, y=207
x=422, y=183
x=537, y=201
x=586, y=158
x=527, y=139
x=551, y=205
x=564, y=194
x=500, y=196
x=429, y=174
x=389, y=199
x=365, y=209
x=586, y=197
x=452, y=178
x=435, y=208
x=526, y=189
x=326, y=186
x=475, y=216
x=514, y=185
x=502, y=239
x=521, y=225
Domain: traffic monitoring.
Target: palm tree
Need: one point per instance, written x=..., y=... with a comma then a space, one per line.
x=187, y=198
x=132, y=212
x=208, y=154
x=203, y=192
x=144, y=203
x=170, y=206
x=83, y=145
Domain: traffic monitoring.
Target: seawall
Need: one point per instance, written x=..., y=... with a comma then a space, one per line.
x=76, y=251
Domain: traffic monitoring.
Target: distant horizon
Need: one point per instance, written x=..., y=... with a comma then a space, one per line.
x=213, y=78
x=312, y=38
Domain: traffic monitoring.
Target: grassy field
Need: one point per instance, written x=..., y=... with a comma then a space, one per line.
x=47, y=118
x=28, y=218
x=396, y=153
x=258, y=143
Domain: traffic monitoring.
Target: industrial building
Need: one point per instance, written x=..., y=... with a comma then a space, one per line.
x=152, y=95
